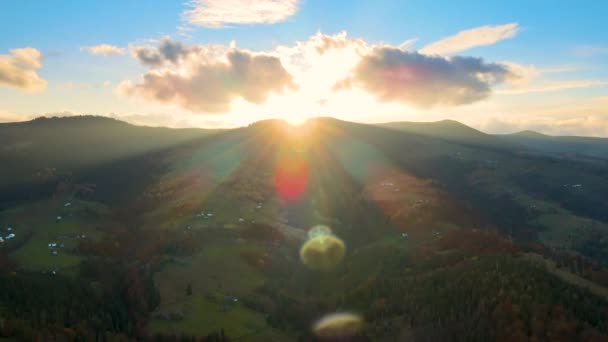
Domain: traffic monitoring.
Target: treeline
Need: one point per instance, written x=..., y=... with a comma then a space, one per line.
x=497, y=297
x=106, y=300
x=466, y=286
x=46, y=306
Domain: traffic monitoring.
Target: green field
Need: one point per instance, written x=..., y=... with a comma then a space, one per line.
x=202, y=316
x=37, y=224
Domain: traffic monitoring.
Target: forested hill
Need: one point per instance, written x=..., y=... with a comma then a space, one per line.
x=35, y=150
x=526, y=140
x=116, y=232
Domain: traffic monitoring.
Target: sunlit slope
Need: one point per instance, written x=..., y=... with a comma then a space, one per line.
x=215, y=225
x=244, y=222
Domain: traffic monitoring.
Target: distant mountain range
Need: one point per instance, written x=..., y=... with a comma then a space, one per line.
x=458, y=132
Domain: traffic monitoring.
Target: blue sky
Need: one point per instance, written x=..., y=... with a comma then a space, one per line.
x=563, y=47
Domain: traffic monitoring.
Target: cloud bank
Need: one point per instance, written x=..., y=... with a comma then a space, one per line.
x=337, y=69
x=19, y=69
x=424, y=81
x=206, y=78
x=103, y=50
x=219, y=13
x=467, y=39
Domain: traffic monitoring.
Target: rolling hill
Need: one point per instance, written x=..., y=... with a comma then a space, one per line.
x=454, y=131
x=448, y=231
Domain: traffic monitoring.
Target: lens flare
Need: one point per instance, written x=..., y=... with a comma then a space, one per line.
x=338, y=326
x=291, y=176
x=319, y=230
x=323, y=251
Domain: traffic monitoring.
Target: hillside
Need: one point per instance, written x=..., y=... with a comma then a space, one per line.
x=453, y=131
x=47, y=149
x=179, y=233
x=85, y=139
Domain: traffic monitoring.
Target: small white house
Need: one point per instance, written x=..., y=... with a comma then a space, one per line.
x=59, y=218
x=241, y=220
x=1, y=239
x=68, y=204
x=9, y=229
x=10, y=236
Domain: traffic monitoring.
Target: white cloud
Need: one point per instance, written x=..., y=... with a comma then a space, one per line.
x=103, y=50
x=19, y=69
x=550, y=86
x=467, y=39
x=219, y=13
x=212, y=79
x=424, y=81
x=561, y=115
x=206, y=78
x=523, y=74
x=407, y=44
x=558, y=69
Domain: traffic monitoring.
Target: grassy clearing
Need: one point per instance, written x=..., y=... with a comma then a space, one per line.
x=568, y=277
x=563, y=229
x=216, y=276
x=202, y=316
x=39, y=222
x=217, y=269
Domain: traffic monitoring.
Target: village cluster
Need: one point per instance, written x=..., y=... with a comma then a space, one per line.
x=390, y=185
x=207, y=215
x=9, y=234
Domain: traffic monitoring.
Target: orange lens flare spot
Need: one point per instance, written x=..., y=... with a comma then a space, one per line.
x=291, y=177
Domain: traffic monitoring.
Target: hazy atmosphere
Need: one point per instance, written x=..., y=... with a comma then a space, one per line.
x=303, y=170
x=503, y=68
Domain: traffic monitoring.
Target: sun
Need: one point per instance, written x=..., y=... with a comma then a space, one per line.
x=296, y=120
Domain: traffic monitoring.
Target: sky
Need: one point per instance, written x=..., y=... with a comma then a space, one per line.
x=501, y=68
